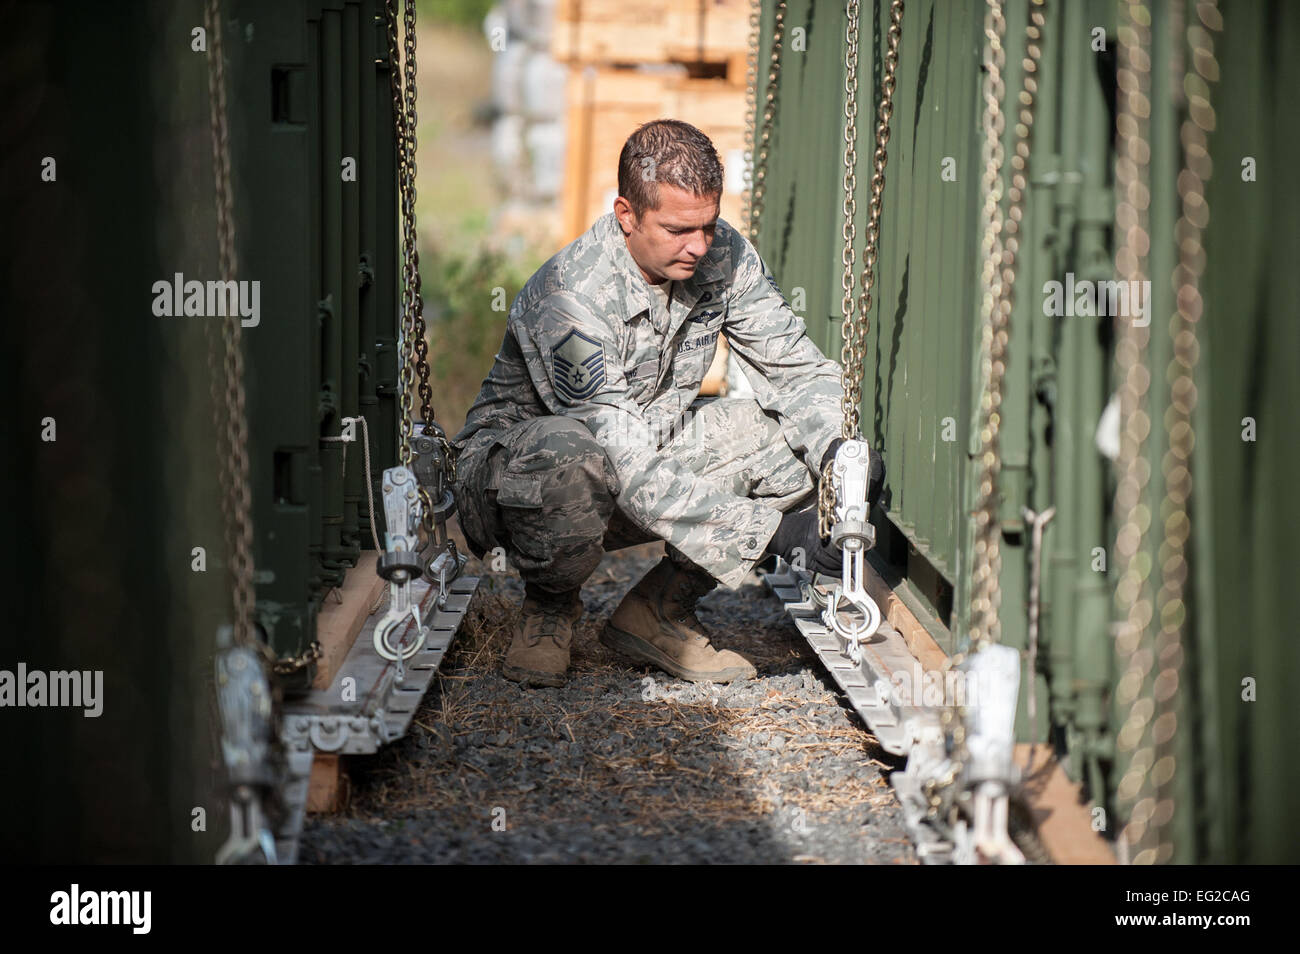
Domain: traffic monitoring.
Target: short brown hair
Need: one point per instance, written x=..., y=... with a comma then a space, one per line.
x=671, y=151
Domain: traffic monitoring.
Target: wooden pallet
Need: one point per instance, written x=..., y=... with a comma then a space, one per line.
x=341, y=617
x=607, y=104
x=683, y=31
x=386, y=695
x=343, y=614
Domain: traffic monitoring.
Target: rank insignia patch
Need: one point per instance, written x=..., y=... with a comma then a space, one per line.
x=579, y=367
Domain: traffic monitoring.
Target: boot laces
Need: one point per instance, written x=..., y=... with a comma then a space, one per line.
x=554, y=616
x=685, y=596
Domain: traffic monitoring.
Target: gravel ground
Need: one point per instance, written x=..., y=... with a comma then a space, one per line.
x=624, y=764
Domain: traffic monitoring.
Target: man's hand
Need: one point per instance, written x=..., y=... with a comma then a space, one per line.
x=798, y=543
x=875, y=475
x=830, y=454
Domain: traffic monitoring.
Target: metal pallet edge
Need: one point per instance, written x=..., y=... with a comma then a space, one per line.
x=382, y=700
x=907, y=730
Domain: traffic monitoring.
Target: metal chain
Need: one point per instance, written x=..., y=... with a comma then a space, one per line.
x=226, y=367
x=849, y=209
x=286, y=665
x=1171, y=608
x=763, y=148
x=1132, y=562
x=996, y=307
x=855, y=330
x=405, y=185
x=857, y=318
x=420, y=341
x=1148, y=780
x=227, y=381
x=415, y=345
x=751, y=111
x=986, y=566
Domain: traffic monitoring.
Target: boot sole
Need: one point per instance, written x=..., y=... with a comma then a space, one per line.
x=637, y=648
x=531, y=677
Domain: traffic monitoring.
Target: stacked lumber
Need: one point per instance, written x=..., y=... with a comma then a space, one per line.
x=613, y=31
x=629, y=64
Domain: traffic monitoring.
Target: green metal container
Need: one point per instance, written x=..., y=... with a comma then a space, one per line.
x=313, y=156
x=921, y=388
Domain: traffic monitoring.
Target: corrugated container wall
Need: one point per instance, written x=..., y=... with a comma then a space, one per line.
x=1238, y=662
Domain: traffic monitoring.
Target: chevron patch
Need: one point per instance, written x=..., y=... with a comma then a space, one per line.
x=579, y=363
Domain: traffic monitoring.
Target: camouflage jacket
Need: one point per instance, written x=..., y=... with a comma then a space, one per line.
x=579, y=342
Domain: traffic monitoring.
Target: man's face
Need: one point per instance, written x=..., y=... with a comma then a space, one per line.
x=668, y=242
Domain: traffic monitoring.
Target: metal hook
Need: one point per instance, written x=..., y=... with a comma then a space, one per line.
x=400, y=607
x=854, y=535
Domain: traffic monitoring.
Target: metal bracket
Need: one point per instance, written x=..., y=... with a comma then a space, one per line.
x=850, y=611
x=400, y=563
x=905, y=724
x=244, y=701
x=384, y=695
x=384, y=692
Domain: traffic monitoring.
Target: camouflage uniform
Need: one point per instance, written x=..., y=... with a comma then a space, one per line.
x=587, y=434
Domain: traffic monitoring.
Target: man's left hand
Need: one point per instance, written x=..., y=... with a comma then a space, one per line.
x=829, y=455
x=875, y=473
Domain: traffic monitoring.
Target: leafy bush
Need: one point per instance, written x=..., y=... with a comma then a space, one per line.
x=462, y=290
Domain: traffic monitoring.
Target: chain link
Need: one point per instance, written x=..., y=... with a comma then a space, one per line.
x=855, y=331
x=1171, y=608
x=406, y=190
x=415, y=355
x=849, y=209
x=1132, y=563
x=1150, y=727
x=226, y=358
x=226, y=379
x=1000, y=244
x=857, y=317
x=758, y=190
x=290, y=664
x=986, y=566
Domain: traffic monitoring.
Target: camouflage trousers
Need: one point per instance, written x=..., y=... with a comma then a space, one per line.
x=544, y=490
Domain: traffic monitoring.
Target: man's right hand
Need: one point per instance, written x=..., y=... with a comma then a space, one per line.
x=798, y=543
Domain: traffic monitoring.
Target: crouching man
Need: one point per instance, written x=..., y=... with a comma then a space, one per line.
x=587, y=435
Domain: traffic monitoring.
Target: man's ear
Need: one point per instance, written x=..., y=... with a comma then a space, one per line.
x=626, y=217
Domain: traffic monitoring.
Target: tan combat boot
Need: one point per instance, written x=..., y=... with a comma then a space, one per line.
x=539, y=653
x=656, y=623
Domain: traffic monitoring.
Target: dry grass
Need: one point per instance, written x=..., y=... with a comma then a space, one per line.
x=682, y=761
x=654, y=775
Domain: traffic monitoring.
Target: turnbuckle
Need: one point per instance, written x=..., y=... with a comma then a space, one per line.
x=400, y=564
x=850, y=612
x=445, y=568
x=990, y=772
x=244, y=701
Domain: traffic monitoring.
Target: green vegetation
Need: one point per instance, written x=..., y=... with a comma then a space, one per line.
x=469, y=270
x=462, y=288
x=468, y=13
